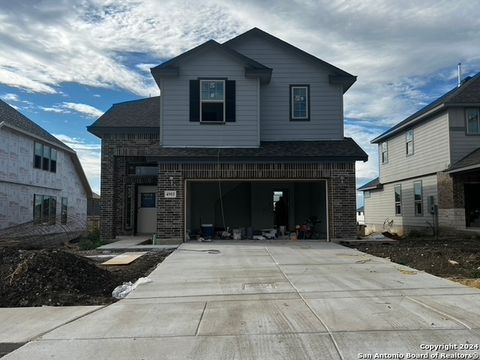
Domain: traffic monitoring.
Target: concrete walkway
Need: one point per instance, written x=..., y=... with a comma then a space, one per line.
x=270, y=300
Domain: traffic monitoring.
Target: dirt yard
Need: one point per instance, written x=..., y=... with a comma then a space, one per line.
x=454, y=258
x=64, y=277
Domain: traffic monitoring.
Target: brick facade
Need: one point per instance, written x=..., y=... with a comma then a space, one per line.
x=119, y=150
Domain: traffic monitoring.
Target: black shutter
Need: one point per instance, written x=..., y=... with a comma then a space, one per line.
x=230, y=101
x=194, y=100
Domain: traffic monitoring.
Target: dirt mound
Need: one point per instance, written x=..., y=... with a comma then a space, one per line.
x=51, y=277
x=446, y=257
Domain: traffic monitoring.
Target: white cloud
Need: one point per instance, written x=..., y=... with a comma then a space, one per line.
x=85, y=109
x=10, y=97
x=145, y=67
x=53, y=109
x=67, y=107
x=89, y=155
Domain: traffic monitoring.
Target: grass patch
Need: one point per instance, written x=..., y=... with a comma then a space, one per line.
x=92, y=241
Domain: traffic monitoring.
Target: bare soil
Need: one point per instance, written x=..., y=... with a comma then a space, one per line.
x=455, y=257
x=62, y=277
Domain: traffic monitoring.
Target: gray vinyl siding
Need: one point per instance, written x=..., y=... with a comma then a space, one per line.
x=178, y=131
x=380, y=206
x=326, y=100
x=461, y=144
x=431, y=151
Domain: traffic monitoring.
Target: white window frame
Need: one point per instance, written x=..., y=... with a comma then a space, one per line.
x=213, y=101
x=292, y=90
x=415, y=202
x=383, y=159
x=407, y=141
x=466, y=121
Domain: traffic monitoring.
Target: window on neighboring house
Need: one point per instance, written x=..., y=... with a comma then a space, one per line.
x=44, y=157
x=44, y=209
x=38, y=155
x=418, y=197
x=366, y=194
x=53, y=160
x=212, y=101
x=64, y=210
x=299, y=102
x=398, y=200
x=384, y=148
x=409, y=142
x=473, y=121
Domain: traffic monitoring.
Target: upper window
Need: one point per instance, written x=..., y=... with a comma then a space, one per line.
x=384, y=147
x=398, y=200
x=366, y=194
x=473, y=121
x=45, y=157
x=212, y=101
x=418, y=197
x=299, y=102
x=409, y=142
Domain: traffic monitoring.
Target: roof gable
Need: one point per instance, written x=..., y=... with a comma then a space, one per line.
x=252, y=68
x=339, y=76
x=15, y=120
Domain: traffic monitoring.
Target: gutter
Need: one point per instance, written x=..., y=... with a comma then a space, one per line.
x=466, y=168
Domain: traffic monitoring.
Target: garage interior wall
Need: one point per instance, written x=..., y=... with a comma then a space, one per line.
x=250, y=204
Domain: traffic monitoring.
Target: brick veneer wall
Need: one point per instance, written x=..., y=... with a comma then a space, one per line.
x=119, y=149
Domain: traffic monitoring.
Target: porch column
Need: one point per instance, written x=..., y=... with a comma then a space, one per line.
x=342, y=197
x=170, y=203
x=107, y=204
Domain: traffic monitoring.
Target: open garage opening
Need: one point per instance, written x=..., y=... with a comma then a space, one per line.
x=278, y=209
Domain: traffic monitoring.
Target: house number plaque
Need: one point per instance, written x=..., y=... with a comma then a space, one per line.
x=170, y=194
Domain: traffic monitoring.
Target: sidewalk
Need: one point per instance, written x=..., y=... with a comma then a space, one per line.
x=271, y=300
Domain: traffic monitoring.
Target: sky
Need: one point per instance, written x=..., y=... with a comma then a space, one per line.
x=64, y=63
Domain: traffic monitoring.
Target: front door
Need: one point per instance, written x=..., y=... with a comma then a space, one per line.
x=472, y=205
x=147, y=210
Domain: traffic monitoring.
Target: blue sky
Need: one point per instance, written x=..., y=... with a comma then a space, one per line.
x=63, y=63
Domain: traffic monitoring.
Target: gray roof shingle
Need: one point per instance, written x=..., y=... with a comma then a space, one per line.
x=336, y=150
x=15, y=119
x=142, y=113
x=371, y=185
x=469, y=161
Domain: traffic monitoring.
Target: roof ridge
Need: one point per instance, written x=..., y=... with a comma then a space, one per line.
x=134, y=101
x=264, y=33
x=441, y=100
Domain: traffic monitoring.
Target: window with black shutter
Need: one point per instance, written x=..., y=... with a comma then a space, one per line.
x=212, y=101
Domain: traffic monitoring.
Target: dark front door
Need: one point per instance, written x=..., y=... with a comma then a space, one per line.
x=472, y=204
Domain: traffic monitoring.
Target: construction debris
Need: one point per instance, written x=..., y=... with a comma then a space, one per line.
x=124, y=259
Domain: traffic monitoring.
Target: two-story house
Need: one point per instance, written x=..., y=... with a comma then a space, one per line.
x=246, y=135
x=430, y=159
x=43, y=188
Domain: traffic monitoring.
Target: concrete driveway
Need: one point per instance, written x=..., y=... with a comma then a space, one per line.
x=273, y=300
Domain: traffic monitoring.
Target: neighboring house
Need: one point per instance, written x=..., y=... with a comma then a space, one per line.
x=238, y=126
x=361, y=216
x=42, y=184
x=431, y=159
